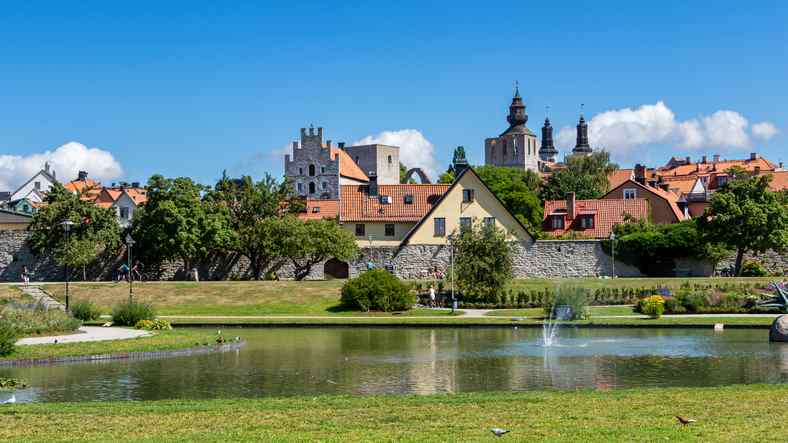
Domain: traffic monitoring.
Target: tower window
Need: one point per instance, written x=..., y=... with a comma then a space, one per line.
x=311, y=187
x=300, y=187
x=311, y=170
x=324, y=185
x=390, y=159
x=322, y=169
x=300, y=171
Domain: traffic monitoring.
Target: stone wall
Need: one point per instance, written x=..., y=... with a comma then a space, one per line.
x=775, y=262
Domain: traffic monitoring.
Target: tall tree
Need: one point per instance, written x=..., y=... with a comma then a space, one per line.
x=518, y=190
x=585, y=175
x=744, y=214
x=177, y=222
x=309, y=243
x=483, y=263
x=95, y=230
x=254, y=208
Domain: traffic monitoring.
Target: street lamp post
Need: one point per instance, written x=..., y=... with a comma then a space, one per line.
x=613, y=252
x=67, y=229
x=129, y=244
x=451, y=244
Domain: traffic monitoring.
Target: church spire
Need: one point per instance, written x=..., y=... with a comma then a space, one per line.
x=547, y=151
x=517, y=115
x=582, y=146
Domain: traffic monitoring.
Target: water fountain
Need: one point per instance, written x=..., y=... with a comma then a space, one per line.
x=551, y=324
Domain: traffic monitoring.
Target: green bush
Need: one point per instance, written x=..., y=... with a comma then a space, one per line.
x=653, y=306
x=36, y=321
x=377, y=290
x=695, y=301
x=85, y=310
x=154, y=325
x=673, y=306
x=129, y=314
x=7, y=339
x=753, y=269
x=575, y=298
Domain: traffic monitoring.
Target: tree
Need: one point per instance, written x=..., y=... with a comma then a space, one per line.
x=309, y=243
x=585, y=175
x=744, y=214
x=177, y=222
x=253, y=209
x=458, y=157
x=483, y=263
x=403, y=171
x=447, y=177
x=95, y=230
x=518, y=190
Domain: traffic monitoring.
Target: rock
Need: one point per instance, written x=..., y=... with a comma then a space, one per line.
x=779, y=331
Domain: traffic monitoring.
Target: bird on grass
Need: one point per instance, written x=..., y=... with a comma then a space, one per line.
x=685, y=421
x=10, y=400
x=498, y=432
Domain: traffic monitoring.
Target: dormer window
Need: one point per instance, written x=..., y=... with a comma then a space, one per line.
x=385, y=200
x=316, y=210
x=408, y=199
x=587, y=222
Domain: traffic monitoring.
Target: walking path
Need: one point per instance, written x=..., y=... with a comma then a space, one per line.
x=86, y=334
x=42, y=298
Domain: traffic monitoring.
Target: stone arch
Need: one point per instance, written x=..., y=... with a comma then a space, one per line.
x=418, y=171
x=336, y=269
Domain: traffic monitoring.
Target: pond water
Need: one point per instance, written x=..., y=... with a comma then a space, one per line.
x=361, y=361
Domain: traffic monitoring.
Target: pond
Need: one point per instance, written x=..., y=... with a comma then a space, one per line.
x=362, y=361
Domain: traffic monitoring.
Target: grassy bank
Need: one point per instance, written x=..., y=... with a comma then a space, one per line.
x=725, y=414
x=161, y=341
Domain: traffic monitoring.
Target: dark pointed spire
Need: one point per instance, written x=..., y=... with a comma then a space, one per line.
x=517, y=115
x=516, y=88
x=582, y=146
x=547, y=151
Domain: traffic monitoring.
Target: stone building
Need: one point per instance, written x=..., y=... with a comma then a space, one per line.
x=517, y=146
x=383, y=160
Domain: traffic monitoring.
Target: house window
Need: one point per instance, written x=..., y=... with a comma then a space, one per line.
x=316, y=210
x=467, y=195
x=489, y=221
x=124, y=213
x=389, y=229
x=37, y=186
x=721, y=180
x=312, y=187
x=465, y=223
x=558, y=222
x=311, y=170
x=360, y=229
x=587, y=222
x=408, y=199
x=440, y=226
x=630, y=193
x=386, y=200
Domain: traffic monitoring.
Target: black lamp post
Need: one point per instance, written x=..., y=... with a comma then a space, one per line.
x=67, y=229
x=129, y=244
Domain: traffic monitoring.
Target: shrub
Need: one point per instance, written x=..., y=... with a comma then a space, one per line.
x=7, y=339
x=653, y=306
x=483, y=263
x=154, y=325
x=85, y=310
x=25, y=321
x=377, y=290
x=673, y=306
x=753, y=269
x=129, y=314
x=575, y=298
x=695, y=301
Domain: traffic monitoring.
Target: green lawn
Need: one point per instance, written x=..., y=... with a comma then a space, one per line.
x=724, y=414
x=11, y=292
x=161, y=341
x=539, y=312
x=596, y=283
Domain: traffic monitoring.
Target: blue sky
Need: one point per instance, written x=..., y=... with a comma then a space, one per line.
x=192, y=88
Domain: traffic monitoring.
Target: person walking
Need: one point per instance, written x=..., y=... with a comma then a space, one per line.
x=124, y=272
x=25, y=276
x=135, y=270
x=432, y=296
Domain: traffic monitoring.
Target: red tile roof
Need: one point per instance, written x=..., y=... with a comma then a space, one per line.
x=607, y=214
x=720, y=166
x=618, y=176
x=779, y=181
x=318, y=209
x=357, y=205
x=347, y=167
x=670, y=197
x=79, y=186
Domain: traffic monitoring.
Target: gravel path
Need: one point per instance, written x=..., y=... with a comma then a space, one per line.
x=87, y=333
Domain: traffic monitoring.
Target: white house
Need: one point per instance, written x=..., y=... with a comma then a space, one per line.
x=35, y=188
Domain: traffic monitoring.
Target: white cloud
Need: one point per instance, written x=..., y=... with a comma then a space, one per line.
x=415, y=149
x=66, y=161
x=764, y=130
x=622, y=131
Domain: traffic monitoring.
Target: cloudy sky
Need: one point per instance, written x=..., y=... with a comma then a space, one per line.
x=128, y=90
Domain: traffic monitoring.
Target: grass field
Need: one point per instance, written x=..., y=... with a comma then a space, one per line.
x=10, y=292
x=296, y=298
x=161, y=341
x=723, y=414
x=671, y=283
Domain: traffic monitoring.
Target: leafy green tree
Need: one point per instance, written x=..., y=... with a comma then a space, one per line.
x=483, y=263
x=309, y=243
x=586, y=176
x=458, y=156
x=95, y=230
x=745, y=215
x=447, y=177
x=403, y=171
x=518, y=190
x=177, y=222
x=253, y=209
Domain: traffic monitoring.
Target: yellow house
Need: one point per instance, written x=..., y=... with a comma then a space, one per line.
x=416, y=214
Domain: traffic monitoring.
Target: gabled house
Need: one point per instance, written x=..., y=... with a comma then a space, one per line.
x=591, y=218
x=35, y=188
x=665, y=205
x=125, y=201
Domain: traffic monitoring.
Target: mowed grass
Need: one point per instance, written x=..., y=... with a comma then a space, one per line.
x=671, y=283
x=723, y=414
x=10, y=292
x=161, y=341
x=539, y=312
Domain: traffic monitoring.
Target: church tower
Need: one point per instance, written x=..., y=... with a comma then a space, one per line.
x=516, y=147
x=582, y=147
x=547, y=152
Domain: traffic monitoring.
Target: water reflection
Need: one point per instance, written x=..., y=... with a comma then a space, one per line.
x=280, y=362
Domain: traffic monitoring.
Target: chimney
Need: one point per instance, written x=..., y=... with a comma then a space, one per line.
x=373, y=184
x=688, y=159
x=82, y=175
x=570, y=205
x=703, y=159
x=665, y=186
x=640, y=174
x=135, y=184
x=716, y=158
x=341, y=145
x=753, y=156
x=781, y=165
x=328, y=144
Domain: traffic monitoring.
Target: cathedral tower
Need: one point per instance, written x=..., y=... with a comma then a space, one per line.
x=516, y=147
